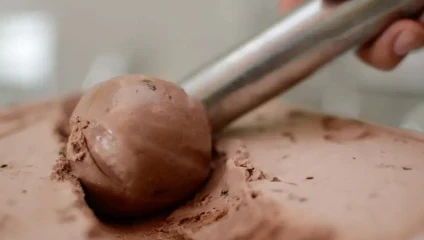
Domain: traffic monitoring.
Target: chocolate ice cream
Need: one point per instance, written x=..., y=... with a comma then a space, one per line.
x=67, y=106
x=282, y=173
x=138, y=145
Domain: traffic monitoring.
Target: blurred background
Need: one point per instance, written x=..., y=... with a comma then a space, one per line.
x=52, y=47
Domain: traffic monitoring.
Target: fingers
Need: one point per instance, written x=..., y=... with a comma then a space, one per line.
x=393, y=45
x=286, y=5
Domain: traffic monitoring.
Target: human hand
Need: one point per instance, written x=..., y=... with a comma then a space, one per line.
x=388, y=50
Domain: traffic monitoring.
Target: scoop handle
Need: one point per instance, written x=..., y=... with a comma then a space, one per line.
x=288, y=52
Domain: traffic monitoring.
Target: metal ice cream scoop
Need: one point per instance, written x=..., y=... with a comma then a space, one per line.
x=288, y=52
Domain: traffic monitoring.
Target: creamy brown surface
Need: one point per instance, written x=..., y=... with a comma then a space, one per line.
x=139, y=145
x=296, y=176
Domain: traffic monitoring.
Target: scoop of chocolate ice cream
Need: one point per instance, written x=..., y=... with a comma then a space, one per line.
x=138, y=145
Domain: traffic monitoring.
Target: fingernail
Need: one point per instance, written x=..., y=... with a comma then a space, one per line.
x=406, y=42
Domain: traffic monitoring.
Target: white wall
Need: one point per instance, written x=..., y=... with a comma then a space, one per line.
x=170, y=39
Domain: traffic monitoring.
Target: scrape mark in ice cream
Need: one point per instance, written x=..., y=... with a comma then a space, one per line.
x=386, y=166
x=294, y=197
x=195, y=218
x=364, y=134
x=330, y=123
x=214, y=215
x=275, y=179
x=343, y=137
x=277, y=190
x=290, y=136
x=297, y=114
x=150, y=84
x=254, y=194
x=390, y=166
x=343, y=130
x=241, y=159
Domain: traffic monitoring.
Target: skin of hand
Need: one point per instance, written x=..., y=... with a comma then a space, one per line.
x=388, y=50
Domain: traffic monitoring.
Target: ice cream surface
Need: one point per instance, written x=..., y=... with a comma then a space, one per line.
x=281, y=173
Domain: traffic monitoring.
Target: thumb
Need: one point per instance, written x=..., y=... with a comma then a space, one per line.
x=388, y=50
x=287, y=5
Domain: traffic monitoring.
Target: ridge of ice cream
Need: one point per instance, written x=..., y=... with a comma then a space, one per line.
x=138, y=145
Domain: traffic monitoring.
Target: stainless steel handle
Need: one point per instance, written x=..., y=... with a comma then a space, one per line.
x=288, y=52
